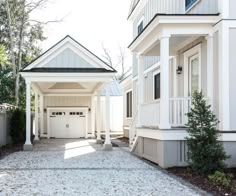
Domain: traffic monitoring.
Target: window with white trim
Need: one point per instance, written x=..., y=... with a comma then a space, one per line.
x=129, y=104
x=157, y=85
x=140, y=26
x=189, y=3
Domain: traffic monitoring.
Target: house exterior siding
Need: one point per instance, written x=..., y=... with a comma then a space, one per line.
x=205, y=7
x=232, y=71
x=206, y=34
x=232, y=6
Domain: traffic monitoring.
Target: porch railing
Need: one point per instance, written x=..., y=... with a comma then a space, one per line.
x=150, y=114
x=179, y=107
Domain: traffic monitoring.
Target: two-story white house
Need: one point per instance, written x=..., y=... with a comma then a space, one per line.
x=178, y=47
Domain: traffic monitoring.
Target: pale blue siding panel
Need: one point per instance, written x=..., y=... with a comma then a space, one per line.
x=69, y=59
x=205, y=7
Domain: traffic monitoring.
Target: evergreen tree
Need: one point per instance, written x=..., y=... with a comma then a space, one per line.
x=206, y=153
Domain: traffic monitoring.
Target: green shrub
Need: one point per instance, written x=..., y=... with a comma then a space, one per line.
x=206, y=153
x=17, y=126
x=220, y=179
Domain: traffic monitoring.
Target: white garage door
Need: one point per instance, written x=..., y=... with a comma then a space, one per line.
x=70, y=123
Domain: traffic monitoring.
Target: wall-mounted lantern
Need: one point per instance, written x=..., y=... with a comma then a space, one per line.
x=179, y=70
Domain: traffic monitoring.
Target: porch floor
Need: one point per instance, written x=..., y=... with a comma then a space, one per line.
x=81, y=167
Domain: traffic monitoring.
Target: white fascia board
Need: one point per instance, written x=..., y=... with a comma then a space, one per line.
x=164, y=25
x=67, y=77
x=137, y=10
x=173, y=135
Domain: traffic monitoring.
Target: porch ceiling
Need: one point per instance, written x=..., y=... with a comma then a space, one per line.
x=67, y=88
x=176, y=43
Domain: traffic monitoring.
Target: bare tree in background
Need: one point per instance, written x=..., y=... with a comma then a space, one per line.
x=107, y=56
x=118, y=63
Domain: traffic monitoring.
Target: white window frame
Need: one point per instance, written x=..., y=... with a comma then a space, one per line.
x=153, y=84
x=187, y=56
x=139, y=22
x=126, y=103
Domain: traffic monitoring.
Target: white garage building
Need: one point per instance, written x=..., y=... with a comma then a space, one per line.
x=68, y=80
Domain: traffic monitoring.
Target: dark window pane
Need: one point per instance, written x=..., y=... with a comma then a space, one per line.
x=130, y=104
x=140, y=28
x=189, y=3
x=157, y=86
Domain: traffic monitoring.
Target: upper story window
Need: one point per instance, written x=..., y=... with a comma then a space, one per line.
x=140, y=26
x=189, y=3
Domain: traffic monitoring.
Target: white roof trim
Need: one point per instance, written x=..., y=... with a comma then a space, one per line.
x=68, y=42
x=164, y=24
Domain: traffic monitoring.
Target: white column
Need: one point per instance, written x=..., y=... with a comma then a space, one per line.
x=92, y=116
x=98, y=118
x=140, y=87
x=224, y=107
x=28, y=144
x=41, y=116
x=107, y=144
x=210, y=68
x=223, y=6
x=164, y=101
x=36, y=106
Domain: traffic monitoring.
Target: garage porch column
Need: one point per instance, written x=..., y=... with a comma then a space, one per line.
x=36, y=121
x=107, y=144
x=98, y=118
x=41, y=116
x=28, y=145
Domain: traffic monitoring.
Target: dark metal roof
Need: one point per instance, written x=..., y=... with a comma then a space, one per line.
x=114, y=89
x=160, y=14
x=76, y=43
x=69, y=70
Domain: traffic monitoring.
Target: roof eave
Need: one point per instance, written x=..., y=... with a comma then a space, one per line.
x=177, y=19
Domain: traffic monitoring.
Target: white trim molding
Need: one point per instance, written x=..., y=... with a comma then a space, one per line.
x=187, y=55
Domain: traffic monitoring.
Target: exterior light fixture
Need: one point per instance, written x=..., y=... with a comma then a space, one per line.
x=179, y=70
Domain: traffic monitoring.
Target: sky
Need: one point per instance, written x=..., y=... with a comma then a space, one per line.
x=91, y=22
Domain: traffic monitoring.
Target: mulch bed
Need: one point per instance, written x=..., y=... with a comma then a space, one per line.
x=8, y=149
x=202, y=181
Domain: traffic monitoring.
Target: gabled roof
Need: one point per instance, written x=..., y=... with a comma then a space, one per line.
x=68, y=55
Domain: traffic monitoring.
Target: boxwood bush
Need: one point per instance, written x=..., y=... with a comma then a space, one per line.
x=17, y=126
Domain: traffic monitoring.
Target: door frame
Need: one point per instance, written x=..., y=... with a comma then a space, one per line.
x=187, y=56
x=49, y=109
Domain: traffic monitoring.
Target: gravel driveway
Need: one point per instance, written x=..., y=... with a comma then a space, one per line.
x=80, y=167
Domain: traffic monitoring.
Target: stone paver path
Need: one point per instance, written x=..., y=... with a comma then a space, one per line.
x=81, y=167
